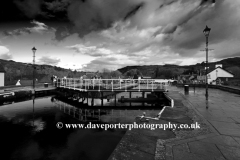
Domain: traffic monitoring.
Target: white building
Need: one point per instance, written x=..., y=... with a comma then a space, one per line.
x=2, y=74
x=218, y=72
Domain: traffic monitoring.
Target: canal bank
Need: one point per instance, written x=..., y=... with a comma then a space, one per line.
x=221, y=114
x=220, y=87
x=148, y=144
x=217, y=138
x=16, y=93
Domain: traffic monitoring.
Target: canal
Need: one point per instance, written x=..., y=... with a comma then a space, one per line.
x=28, y=130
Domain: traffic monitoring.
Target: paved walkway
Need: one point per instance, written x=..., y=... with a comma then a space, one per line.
x=222, y=114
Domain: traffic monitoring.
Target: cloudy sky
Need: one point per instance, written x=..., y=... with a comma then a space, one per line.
x=94, y=34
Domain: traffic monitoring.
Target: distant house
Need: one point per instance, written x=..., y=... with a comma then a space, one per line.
x=2, y=75
x=219, y=73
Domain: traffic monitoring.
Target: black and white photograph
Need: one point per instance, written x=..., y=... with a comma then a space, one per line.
x=119, y=79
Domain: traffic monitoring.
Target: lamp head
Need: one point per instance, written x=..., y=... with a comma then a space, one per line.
x=34, y=49
x=206, y=31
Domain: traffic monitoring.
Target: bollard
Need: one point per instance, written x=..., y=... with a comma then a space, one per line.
x=45, y=85
x=186, y=89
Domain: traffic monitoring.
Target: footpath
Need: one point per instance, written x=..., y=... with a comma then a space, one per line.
x=217, y=139
x=221, y=115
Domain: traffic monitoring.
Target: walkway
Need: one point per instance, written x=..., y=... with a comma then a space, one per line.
x=217, y=139
x=222, y=115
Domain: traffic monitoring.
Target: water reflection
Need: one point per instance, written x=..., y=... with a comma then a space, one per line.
x=207, y=105
x=28, y=131
x=102, y=115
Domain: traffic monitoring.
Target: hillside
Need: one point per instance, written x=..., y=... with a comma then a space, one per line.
x=17, y=70
x=172, y=71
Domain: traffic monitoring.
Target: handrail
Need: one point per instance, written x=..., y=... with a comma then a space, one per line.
x=101, y=84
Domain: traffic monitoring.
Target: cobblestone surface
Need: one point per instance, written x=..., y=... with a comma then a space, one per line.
x=181, y=134
x=217, y=138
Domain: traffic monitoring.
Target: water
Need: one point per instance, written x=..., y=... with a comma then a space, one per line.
x=28, y=130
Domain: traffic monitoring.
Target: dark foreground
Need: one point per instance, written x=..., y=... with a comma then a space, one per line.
x=28, y=132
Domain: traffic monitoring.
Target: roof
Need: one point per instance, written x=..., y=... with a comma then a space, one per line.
x=2, y=70
x=209, y=71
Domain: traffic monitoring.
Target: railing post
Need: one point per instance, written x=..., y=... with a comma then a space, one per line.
x=84, y=82
x=66, y=82
x=152, y=85
x=138, y=85
x=125, y=87
x=112, y=85
x=107, y=84
x=88, y=83
x=74, y=81
x=120, y=83
x=99, y=85
x=147, y=83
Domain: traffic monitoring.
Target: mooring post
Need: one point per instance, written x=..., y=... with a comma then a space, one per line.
x=92, y=100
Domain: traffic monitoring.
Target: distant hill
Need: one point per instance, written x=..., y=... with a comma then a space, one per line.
x=24, y=71
x=172, y=71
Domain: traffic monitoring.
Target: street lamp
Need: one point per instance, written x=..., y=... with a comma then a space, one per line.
x=34, y=51
x=206, y=32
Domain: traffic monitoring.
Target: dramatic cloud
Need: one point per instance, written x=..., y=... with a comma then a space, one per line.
x=117, y=33
x=4, y=53
x=113, y=62
x=37, y=28
x=62, y=32
x=95, y=15
x=31, y=8
x=90, y=50
x=49, y=60
x=57, y=5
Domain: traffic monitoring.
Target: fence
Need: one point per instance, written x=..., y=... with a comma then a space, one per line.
x=111, y=84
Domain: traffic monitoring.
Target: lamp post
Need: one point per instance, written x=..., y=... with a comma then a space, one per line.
x=206, y=32
x=34, y=51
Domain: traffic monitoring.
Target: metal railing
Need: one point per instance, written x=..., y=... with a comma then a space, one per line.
x=80, y=114
x=111, y=84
